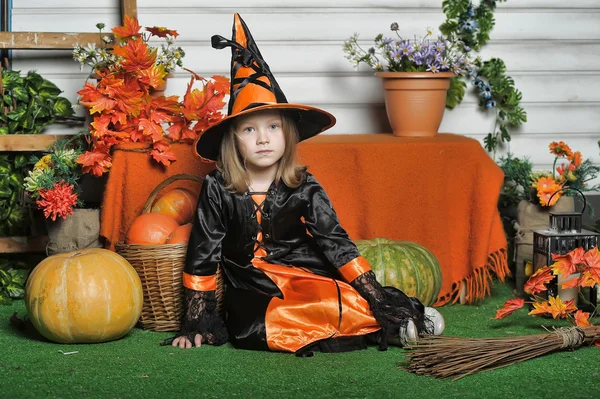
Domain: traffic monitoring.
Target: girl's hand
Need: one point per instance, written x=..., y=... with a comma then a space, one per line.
x=184, y=343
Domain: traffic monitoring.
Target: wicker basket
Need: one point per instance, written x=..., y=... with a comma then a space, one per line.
x=160, y=268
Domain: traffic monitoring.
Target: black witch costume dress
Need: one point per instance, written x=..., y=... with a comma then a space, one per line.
x=293, y=280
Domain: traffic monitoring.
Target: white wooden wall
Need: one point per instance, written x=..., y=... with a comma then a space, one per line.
x=551, y=48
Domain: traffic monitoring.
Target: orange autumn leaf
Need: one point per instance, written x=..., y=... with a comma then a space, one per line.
x=154, y=76
x=188, y=134
x=136, y=55
x=564, y=267
x=130, y=29
x=560, y=309
x=582, y=318
x=509, y=307
x=149, y=128
x=100, y=104
x=540, y=308
x=159, y=117
x=174, y=131
x=96, y=163
x=222, y=84
x=163, y=157
x=574, y=282
x=592, y=258
x=89, y=92
x=589, y=277
x=161, y=31
x=536, y=283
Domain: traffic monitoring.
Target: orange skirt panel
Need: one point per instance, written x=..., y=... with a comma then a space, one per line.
x=310, y=309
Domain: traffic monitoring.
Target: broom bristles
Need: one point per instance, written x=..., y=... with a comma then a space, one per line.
x=456, y=357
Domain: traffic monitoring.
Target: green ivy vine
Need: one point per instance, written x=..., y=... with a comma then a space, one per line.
x=496, y=91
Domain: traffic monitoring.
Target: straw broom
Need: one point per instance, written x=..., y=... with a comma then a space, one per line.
x=455, y=357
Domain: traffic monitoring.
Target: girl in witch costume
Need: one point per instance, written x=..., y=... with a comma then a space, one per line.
x=293, y=280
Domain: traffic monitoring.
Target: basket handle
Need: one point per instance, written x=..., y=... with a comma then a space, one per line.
x=566, y=189
x=165, y=183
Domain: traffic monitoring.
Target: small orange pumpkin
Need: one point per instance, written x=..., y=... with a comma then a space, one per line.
x=179, y=204
x=87, y=296
x=180, y=234
x=150, y=228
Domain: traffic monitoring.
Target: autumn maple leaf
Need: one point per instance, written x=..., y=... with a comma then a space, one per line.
x=94, y=162
x=100, y=104
x=136, y=55
x=89, y=92
x=222, y=84
x=582, y=318
x=130, y=29
x=159, y=117
x=540, y=308
x=537, y=281
x=564, y=267
x=100, y=125
x=592, y=258
x=174, y=131
x=149, y=128
x=188, y=134
x=161, y=31
x=163, y=157
x=509, y=306
x=154, y=76
x=560, y=309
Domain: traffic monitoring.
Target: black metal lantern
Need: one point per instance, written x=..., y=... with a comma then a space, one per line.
x=565, y=234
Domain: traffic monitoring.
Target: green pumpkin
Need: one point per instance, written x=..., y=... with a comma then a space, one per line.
x=405, y=265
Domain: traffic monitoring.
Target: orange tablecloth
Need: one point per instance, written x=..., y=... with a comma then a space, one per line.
x=440, y=192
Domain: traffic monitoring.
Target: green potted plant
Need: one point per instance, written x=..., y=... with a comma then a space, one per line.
x=54, y=184
x=30, y=103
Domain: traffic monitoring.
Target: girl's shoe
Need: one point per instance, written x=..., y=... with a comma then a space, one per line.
x=436, y=318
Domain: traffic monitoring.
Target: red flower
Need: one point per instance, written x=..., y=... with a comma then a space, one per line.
x=57, y=201
x=161, y=31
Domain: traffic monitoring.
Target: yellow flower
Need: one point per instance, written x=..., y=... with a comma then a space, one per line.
x=43, y=163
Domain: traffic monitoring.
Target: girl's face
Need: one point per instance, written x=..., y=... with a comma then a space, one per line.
x=260, y=139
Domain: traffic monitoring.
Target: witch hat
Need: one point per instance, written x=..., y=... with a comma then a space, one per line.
x=254, y=88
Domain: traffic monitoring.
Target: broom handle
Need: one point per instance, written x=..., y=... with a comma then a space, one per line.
x=165, y=183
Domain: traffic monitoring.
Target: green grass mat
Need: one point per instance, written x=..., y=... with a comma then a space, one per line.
x=136, y=366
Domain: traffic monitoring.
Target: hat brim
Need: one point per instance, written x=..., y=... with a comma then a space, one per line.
x=311, y=121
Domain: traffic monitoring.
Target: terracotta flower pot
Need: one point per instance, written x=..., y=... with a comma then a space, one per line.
x=415, y=101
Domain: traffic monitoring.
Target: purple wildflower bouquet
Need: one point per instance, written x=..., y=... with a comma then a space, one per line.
x=398, y=54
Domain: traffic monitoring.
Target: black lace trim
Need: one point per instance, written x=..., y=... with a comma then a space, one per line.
x=391, y=308
x=201, y=317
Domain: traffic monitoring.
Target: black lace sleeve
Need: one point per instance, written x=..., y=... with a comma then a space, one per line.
x=391, y=307
x=201, y=317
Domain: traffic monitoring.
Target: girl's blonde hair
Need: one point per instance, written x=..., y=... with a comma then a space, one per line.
x=232, y=166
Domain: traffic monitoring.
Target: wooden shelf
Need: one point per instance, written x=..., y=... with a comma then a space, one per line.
x=23, y=244
x=28, y=142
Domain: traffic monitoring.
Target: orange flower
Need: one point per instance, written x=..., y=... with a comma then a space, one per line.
x=57, y=201
x=582, y=318
x=560, y=149
x=575, y=158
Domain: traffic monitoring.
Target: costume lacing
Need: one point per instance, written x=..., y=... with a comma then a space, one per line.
x=391, y=308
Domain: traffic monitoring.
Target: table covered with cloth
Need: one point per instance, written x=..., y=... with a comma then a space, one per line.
x=440, y=192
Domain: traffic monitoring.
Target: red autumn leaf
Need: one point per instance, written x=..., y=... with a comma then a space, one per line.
x=537, y=281
x=590, y=277
x=100, y=124
x=130, y=29
x=509, y=306
x=159, y=116
x=174, y=131
x=222, y=84
x=582, y=318
x=161, y=146
x=161, y=31
x=574, y=282
x=163, y=157
x=151, y=129
x=540, y=308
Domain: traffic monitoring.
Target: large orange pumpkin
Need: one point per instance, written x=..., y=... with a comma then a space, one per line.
x=92, y=295
x=180, y=234
x=179, y=204
x=150, y=228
